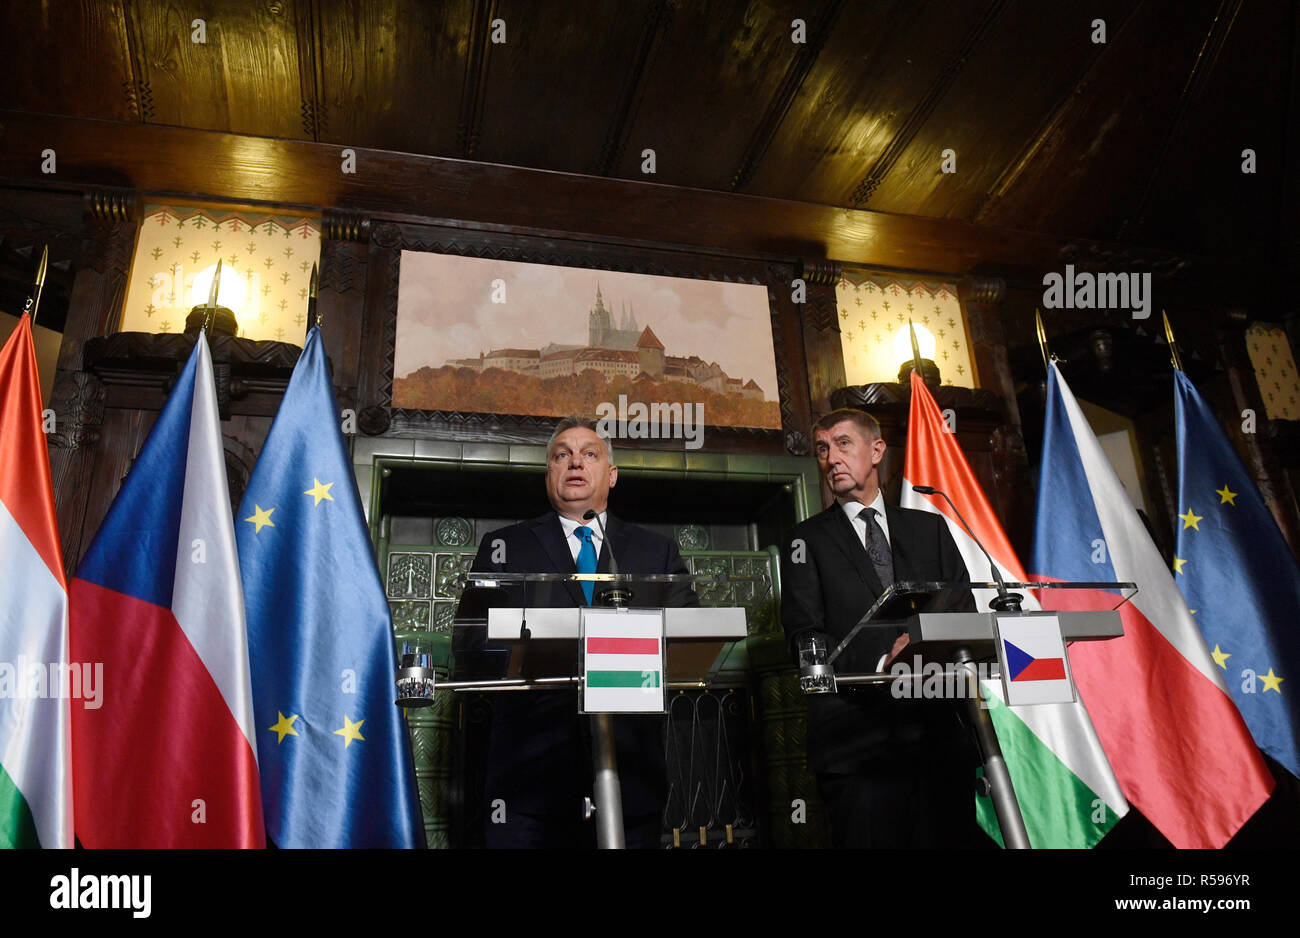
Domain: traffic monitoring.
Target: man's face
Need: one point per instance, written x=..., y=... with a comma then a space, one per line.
x=578, y=473
x=848, y=460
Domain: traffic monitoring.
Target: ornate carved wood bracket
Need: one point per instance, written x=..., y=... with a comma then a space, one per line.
x=977, y=403
x=343, y=225
x=1090, y=256
x=140, y=368
x=78, y=404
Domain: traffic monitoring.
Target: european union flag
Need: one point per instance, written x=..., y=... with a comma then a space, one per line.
x=332, y=748
x=1239, y=577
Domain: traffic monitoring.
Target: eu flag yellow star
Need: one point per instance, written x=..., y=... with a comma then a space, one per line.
x=283, y=726
x=1220, y=657
x=1226, y=495
x=1178, y=565
x=261, y=518
x=319, y=491
x=1190, y=520
x=350, y=731
x=1271, y=681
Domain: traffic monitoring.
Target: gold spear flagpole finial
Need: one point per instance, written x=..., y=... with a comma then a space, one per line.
x=1173, y=348
x=1043, y=347
x=34, y=301
x=313, y=312
x=212, y=298
x=916, y=349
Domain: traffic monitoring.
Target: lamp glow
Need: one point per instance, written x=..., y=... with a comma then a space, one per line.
x=231, y=294
x=902, y=341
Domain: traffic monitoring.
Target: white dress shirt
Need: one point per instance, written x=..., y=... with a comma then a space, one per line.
x=575, y=542
x=853, y=509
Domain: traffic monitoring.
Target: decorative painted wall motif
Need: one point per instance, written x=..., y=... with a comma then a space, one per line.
x=266, y=265
x=1275, y=370
x=874, y=310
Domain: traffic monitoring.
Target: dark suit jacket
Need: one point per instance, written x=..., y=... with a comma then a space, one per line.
x=829, y=592
x=537, y=757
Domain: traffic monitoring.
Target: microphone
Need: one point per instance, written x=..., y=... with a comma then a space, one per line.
x=1006, y=601
x=588, y=516
x=614, y=595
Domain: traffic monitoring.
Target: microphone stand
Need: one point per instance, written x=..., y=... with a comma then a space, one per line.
x=1005, y=601
x=616, y=595
x=605, y=785
x=996, y=782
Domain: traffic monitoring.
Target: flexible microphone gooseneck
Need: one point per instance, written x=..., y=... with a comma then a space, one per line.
x=1005, y=601
x=615, y=594
x=525, y=633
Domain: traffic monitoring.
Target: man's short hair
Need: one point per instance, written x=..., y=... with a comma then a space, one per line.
x=569, y=423
x=859, y=418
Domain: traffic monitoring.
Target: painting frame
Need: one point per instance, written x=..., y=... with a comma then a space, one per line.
x=389, y=240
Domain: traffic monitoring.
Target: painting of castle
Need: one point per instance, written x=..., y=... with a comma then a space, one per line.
x=535, y=357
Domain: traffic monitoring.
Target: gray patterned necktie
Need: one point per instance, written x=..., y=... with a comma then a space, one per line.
x=878, y=548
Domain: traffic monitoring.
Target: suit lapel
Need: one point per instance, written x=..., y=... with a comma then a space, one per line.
x=550, y=535
x=900, y=533
x=615, y=537
x=846, y=539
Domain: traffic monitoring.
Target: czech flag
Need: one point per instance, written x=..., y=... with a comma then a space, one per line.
x=1025, y=667
x=168, y=760
x=1177, y=743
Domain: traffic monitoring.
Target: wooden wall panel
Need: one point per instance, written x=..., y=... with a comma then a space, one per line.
x=586, y=52
x=1053, y=132
x=1028, y=79
x=391, y=73
x=121, y=436
x=823, y=348
x=305, y=174
x=1200, y=176
x=68, y=58
x=867, y=79
x=341, y=305
x=708, y=89
x=1087, y=175
x=244, y=79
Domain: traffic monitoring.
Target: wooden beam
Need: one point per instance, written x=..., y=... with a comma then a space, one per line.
x=1202, y=68
x=925, y=106
x=184, y=164
x=657, y=20
x=779, y=106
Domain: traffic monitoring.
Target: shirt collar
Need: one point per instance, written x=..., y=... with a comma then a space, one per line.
x=569, y=525
x=853, y=509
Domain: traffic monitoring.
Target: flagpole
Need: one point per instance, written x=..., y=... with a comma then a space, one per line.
x=916, y=349
x=212, y=299
x=313, y=311
x=1173, y=348
x=34, y=300
x=1043, y=347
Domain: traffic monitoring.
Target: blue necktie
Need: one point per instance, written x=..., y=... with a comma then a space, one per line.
x=586, y=559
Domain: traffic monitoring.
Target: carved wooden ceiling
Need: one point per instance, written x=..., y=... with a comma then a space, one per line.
x=1137, y=139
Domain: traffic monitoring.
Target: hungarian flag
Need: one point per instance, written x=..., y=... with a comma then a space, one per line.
x=1179, y=747
x=1068, y=795
x=623, y=661
x=169, y=759
x=35, y=681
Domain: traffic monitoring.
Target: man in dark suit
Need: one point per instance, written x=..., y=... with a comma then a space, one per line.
x=539, y=762
x=892, y=772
